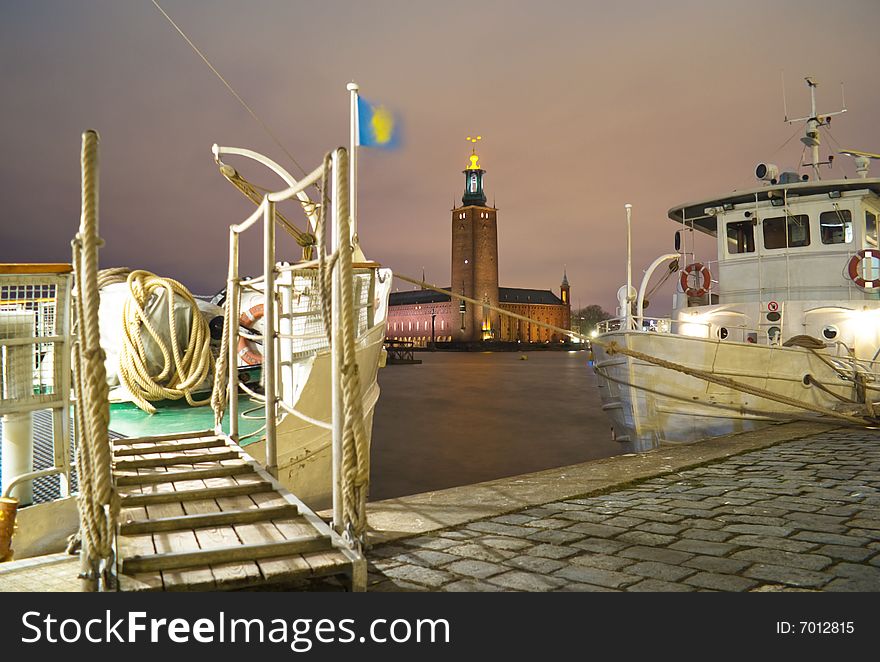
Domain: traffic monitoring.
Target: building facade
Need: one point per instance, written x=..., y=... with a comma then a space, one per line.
x=424, y=317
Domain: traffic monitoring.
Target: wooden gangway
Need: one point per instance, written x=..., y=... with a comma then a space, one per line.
x=198, y=513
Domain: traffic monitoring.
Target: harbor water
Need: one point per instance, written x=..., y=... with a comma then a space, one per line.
x=461, y=418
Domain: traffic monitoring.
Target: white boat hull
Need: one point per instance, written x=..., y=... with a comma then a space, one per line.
x=304, y=449
x=651, y=405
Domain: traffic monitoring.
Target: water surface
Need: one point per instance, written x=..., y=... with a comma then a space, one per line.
x=462, y=418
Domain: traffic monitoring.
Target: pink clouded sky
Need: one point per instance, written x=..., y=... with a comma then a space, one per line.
x=583, y=106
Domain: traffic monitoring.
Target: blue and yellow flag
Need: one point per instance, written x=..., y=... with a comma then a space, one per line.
x=377, y=126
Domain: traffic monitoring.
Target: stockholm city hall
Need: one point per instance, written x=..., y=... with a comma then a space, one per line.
x=424, y=316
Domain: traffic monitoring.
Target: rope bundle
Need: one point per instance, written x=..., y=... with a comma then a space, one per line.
x=180, y=373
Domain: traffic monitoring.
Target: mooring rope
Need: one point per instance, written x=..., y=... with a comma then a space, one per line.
x=613, y=348
x=97, y=505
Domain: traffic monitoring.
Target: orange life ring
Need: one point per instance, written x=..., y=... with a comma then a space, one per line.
x=246, y=351
x=696, y=267
x=855, y=272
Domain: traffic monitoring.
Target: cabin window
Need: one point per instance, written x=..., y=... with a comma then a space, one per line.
x=871, y=229
x=835, y=227
x=791, y=231
x=741, y=237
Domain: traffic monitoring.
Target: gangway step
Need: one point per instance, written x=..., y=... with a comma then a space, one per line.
x=172, y=436
x=170, y=448
x=178, y=476
x=180, y=560
x=132, y=500
x=123, y=465
x=198, y=513
x=287, y=511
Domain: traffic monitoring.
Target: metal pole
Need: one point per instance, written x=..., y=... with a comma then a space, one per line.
x=352, y=162
x=232, y=294
x=269, y=333
x=336, y=354
x=629, y=286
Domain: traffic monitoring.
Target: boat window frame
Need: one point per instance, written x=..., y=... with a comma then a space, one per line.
x=847, y=224
x=866, y=241
x=727, y=238
x=787, y=217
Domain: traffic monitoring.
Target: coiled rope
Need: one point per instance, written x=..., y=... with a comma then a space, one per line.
x=98, y=506
x=180, y=373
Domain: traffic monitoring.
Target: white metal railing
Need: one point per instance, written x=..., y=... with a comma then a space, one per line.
x=838, y=353
x=694, y=328
x=293, y=318
x=34, y=370
x=266, y=212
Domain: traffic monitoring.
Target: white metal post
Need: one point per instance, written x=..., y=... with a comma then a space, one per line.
x=336, y=349
x=352, y=160
x=269, y=333
x=232, y=294
x=61, y=417
x=629, y=286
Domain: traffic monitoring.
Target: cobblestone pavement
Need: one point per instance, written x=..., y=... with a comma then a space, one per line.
x=55, y=573
x=802, y=515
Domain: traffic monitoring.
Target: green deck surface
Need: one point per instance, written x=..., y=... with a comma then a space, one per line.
x=178, y=416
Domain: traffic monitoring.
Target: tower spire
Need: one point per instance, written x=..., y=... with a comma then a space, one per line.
x=565, y=288
x=473, y=177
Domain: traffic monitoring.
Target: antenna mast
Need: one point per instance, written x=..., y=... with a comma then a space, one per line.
x=813, y=121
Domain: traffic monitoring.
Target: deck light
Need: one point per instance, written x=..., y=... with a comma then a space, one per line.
x=833, y=194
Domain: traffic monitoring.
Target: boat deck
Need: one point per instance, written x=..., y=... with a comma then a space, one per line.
x=198, y=513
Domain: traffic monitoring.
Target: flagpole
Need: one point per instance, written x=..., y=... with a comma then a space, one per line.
x=352, y=160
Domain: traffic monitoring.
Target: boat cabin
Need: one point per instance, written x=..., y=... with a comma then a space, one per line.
x=810, y=247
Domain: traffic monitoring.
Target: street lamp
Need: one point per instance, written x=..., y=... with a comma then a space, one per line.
x=433, y=317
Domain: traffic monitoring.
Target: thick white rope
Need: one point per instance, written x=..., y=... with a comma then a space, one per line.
x=355, y=441
x=96, y=501
x=180, y=373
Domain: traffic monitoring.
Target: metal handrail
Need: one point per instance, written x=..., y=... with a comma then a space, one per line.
x=265, y=211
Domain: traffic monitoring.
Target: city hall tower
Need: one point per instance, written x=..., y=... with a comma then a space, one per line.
x=475, y=258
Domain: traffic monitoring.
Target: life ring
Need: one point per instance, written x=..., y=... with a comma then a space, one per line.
x=855, y=272
x=696, y=267
x=246, y=351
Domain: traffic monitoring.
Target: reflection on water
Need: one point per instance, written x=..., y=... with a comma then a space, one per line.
x=462, y=418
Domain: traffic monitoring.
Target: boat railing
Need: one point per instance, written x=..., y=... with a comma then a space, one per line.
x=35, y=344
x=692, y=326
x=294, y=302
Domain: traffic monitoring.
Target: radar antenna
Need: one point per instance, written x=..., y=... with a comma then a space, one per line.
x=813, y=121
x=862, y=160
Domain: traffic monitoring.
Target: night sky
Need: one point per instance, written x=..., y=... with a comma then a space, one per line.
x=583, y=106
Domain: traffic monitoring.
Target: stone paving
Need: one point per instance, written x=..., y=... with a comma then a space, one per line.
x=801, y=515
x=57, y=572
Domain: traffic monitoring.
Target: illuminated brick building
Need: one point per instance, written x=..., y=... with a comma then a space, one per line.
x=421, y=316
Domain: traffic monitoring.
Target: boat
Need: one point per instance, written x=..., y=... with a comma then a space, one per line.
x=302, y=433
x=300, y=367
x=783, y=324
x=297, y=409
